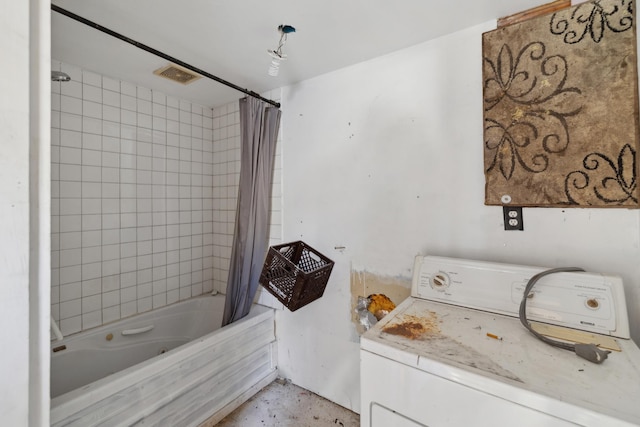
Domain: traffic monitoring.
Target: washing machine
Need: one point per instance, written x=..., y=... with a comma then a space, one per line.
x=456, y=353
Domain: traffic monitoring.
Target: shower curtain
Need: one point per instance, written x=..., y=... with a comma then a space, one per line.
x=259, y=125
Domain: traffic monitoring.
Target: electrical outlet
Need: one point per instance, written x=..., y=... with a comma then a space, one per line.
x=512, y=218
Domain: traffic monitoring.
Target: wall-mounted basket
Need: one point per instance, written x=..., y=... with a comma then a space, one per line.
x=295, y=273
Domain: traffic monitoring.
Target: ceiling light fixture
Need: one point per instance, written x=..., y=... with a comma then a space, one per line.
x=276, y=54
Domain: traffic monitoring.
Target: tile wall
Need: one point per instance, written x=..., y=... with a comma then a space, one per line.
x=144, y=190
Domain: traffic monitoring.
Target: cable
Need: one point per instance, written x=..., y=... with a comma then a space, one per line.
x=591, y=352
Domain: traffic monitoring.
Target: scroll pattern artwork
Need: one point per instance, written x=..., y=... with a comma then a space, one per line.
x=561, y=109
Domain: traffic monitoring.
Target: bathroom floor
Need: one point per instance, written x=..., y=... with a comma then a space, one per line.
x=284, y=404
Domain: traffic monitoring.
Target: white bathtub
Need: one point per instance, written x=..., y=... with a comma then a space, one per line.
x=181, y=372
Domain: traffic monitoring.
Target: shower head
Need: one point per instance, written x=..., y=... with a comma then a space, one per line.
x=59, y=76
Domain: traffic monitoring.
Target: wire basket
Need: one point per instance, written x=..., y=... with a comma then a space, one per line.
x=295, y=273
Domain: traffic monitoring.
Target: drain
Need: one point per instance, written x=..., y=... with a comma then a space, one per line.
x=163, y=350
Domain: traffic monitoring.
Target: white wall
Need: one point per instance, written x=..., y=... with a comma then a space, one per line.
x=385, y=158
x=24, y=262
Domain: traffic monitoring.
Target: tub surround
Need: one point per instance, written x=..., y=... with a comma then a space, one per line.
x=143, y=191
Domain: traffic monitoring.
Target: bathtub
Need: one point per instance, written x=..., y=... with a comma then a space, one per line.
x=172, y=366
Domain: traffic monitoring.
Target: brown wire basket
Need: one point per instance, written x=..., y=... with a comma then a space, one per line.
x=295, y=273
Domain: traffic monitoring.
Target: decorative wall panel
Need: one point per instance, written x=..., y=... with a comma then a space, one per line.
x=561, y=109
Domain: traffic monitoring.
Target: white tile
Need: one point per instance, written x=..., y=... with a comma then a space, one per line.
x=110, y=221
x=145, y=247
x=71, y=325
x=127, y=235
x=92, y=93
x=127, y=161
x=144, y=304
x=144, y=106
x=173, y=296
x=70, y=223
x=127, y=220
x=144, y=163
x=196, y=289
x=91, y=254
x=109, y=299
x=91, y=206
x=91, y=303
x=91, y=222
x=70, y=291
x=144, y=290
x=91, y=320
x=91, y=78
x=91, y=157
x=144, y=121
x=128, y=265
x=127, y=176
x=70, y=105
x=185, y=292
x=128, y=309
x=145, y=262
x=127, y=191
x=110, y=252
x=91, y=287
x=110, y=206
x=91, y=141
x=70, y=172
x=159, y=259
x=111, y=114
x=111, y=268
x=70, y=138
x=110, y=237
x=92, y=109
x=159, y=300
x=127, y=280
x=128, y=133
x=70, y=189
x=70, y=308
x=143, y=233
x=111, y=175
x=70, y=155
x=128, y=117
x=110, y=190
x=128, y=89
x=159, y=97
x=111, y=283
x=111, y=98
x=128, y=105
x=69, y=257
x=110, y=84
x=92, y=125
x=111, y=144
x=70, y=206
x=128, y=249
x=91, y=238
x=143, y=205
x=110, y=314
x=144, y=93
x=91, y=271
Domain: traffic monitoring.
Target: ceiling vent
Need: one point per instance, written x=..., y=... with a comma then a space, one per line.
x=177, y=74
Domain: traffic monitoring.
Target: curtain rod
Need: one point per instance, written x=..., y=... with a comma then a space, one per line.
x=160, y=54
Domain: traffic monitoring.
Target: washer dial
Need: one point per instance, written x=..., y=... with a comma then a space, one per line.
x=440, y=281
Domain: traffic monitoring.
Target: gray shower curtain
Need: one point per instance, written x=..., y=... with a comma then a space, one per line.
x=259, y=125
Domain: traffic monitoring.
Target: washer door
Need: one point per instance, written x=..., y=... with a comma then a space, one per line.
x=394, y=394
x=385, y=417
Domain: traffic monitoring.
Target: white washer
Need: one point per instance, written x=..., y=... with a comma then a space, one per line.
x=456, y=354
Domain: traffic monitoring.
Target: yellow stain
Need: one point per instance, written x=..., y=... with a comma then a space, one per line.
x=517, y=115
x=545, y=83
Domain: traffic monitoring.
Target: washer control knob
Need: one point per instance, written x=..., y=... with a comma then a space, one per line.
x=440, y=281
x=592, y=303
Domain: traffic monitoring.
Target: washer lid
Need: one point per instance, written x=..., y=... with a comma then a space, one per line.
x=496, y=354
